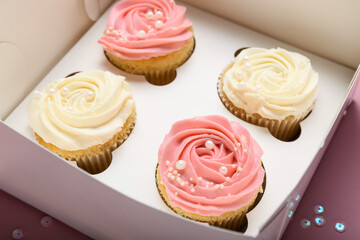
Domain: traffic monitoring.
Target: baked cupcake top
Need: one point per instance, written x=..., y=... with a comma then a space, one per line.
x=274, y=83
x=81, y=111
x=142, y=29
x=210, y=165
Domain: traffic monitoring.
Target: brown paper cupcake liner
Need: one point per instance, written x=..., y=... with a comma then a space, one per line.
x=287, y=129
x=95, y=159
x=235, y=220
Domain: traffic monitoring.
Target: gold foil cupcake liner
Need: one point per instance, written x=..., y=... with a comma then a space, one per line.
x=287, y=129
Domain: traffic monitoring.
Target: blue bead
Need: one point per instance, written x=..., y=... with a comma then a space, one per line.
x=305, y=223
x=319, y=221
x=339, y=227
x=318, y=209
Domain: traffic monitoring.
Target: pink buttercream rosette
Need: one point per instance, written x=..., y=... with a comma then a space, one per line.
x=145, y=29
x=210, y=167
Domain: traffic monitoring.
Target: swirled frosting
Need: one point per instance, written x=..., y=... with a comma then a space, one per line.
x=145, y=29
x=274, y=83
x=81, y=111
x=210, y=165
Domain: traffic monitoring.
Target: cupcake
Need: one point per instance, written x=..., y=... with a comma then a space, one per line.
x=209, y=170
x=150, y=38
x=84, y=117
x=272, y=88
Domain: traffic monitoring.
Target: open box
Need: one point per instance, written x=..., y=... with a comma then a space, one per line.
x=122, y=202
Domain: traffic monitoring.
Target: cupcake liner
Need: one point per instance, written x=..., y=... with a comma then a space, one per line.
x=95, y=159
x=160, y=78
x=235, y=220
x=287, y=129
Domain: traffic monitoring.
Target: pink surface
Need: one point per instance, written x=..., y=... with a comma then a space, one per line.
x=334, y=186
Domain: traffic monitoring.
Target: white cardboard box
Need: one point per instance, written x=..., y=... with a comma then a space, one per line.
x=123, y=202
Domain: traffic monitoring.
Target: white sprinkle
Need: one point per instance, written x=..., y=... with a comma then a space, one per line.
x=209, y=144
x=149, y=15
x=51, y=91
x=233, y=166
x=191, y=179
x=239, y=169
x=216, y=186
x=211, y=183
x=182, y=184
x=175, y=172
x=159, y=24
x=64, y=91
x=227, y=178
x=221, y=186
x=238, y=144
x=170, y=169
x=172, y=177
x=169, y=174
x=223, y=170
x=192, y=190
x=141, y=34
x=167, y=163
x=180, y=165
x=245, y=150
x=159, y=14
x=246, y=58
x=248, y=66
x=178, y=174
x=37, y=94
x=235, y=148
x=178, y=179
x=200, y=178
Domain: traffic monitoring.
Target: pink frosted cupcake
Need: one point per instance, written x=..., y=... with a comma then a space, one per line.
x=148, y=37
x=209, y=170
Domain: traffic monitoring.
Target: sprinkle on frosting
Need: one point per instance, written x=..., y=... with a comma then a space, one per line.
x=145, y=29
x=212, y=169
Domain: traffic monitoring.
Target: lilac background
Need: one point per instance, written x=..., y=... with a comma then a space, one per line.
x=334, y=186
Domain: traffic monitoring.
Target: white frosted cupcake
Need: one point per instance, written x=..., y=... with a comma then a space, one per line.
x=273, y=88
x=83, y=117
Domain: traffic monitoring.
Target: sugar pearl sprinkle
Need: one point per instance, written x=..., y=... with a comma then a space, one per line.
x=51, y=91
x=90, y=95
x=209, y=144
x=180, y=165
x=248, y=66
x=159, y=14
x=141, y=34
x=37, y=94
x=159, y=24
x=149, y=15
x=64, y=91
x=167, y=163
x=223, y=170
x=192, y=190
x=171, y=168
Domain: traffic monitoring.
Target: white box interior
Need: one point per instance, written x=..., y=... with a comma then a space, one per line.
x=193, y=93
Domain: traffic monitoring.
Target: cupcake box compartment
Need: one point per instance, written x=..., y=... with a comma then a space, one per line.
x=123, y=202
